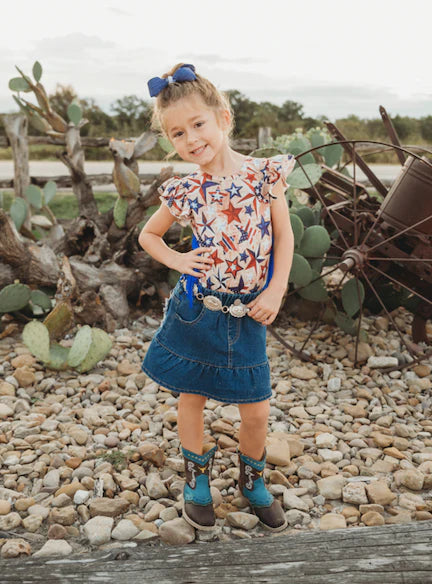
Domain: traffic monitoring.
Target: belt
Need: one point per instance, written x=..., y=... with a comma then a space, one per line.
x=237, y=308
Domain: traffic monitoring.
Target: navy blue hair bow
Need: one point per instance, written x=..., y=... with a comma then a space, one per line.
x=183, y=73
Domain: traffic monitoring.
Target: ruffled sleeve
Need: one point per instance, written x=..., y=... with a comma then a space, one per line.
x=173, y=193
x=277, y=168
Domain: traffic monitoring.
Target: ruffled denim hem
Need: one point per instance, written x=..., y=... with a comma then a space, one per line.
x=252, y=384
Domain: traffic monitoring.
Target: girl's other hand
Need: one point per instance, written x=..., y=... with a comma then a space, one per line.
x=191, y=259
x=265, y=307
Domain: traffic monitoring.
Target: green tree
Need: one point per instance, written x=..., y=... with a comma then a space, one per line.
x=132, y=115
x=426, y=128
x=243, y=109
x=290, y=111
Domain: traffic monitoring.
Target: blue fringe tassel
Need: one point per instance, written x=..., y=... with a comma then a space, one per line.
x=192, y=280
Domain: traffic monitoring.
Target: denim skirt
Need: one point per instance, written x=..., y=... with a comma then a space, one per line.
x=209, y=352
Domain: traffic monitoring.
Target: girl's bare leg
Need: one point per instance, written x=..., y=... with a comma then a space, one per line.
x=190, y=421
x=253, y=428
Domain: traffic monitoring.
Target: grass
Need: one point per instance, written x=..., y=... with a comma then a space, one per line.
x=65, y=205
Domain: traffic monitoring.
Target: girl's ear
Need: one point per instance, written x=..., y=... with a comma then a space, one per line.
x=224, y=118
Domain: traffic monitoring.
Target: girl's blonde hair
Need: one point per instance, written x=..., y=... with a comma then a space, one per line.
x=212, y=97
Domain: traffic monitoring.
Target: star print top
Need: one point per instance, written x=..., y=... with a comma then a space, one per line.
x=231, y=216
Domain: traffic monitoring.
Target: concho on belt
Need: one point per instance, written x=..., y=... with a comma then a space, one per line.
x=237, y=309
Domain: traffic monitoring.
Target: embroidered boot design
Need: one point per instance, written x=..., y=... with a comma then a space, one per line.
x=262, y=502
x=198, y=504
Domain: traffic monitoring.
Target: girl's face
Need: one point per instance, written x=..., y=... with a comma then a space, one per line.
x=197, y=133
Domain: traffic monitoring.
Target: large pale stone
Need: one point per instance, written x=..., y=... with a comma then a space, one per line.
x=98, y=529
x=331, y=487
x=108, y=507
x=332, y=521
x=278, y=452
x=54, y=547
x=242, y=520
x=410, y=478
x=177, y=532
x=378, y=492
x=355, y=493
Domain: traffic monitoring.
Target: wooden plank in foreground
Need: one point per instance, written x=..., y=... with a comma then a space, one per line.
x=391, y=554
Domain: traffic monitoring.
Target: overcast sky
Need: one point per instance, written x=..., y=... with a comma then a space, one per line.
x=336, y=57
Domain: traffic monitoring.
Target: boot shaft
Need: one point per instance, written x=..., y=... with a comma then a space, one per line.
x=197, y=465
x=251, y=470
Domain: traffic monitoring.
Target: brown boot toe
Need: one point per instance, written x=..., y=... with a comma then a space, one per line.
x=199, y=516
x=272, y=517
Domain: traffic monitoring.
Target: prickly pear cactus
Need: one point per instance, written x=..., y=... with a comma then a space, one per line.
x=14, y=297
x=81, y=346
x=90, y=346
x=120, y=212
x=36, y=337
x=101, y=345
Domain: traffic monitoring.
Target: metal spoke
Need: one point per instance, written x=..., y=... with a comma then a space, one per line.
x=354, y=196
x=401, y=284
x=359, y=321
x=396, y=234
x=401, y=259
x=291, y=348
x=387, y=312
x=314, y=327
x=323, y=204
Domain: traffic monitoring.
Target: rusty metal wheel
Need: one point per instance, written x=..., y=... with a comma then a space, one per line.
x=378, y=240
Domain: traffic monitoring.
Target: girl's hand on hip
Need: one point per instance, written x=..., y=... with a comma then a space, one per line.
x=191, y=259
x=265, y=307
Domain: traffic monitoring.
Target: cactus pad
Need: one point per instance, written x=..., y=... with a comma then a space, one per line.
x=36, y=338
x=315, y=241
x=58, y=357
x=14, y=297
x=101, y=345
x=120, y=212
x=81, y=346
x=301, y=273
x=350, y=296
x=298, y=229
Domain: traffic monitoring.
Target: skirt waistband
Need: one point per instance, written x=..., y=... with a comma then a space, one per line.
x=226, y=298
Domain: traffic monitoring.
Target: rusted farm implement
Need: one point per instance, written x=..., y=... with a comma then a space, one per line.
x=382, y=241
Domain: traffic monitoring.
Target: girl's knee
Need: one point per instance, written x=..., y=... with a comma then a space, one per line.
x=256, y=413
x=192, y=400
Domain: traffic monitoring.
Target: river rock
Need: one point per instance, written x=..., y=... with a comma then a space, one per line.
x=177, y=532
x=332, y=521
x=108, y=507
x=242, y=520
x=54, y=547
x=98, y=529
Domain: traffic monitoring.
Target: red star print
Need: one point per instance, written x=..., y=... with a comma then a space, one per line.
x=214, y=256
x=254, y=259
x=233, y=267
x=232, y=213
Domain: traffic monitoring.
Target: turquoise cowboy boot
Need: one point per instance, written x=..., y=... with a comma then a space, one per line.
x=197, y=500
x=261, y=501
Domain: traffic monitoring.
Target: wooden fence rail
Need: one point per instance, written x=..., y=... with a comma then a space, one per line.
x=390, y=554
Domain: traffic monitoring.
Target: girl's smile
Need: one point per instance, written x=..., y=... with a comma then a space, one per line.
x=198, y=134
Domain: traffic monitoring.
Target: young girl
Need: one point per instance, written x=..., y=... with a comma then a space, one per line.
x=212, y=340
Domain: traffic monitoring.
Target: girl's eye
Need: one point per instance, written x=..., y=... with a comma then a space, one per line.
x=177, y=134
x=199, y=124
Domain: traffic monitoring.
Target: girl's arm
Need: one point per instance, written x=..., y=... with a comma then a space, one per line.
x=283, y=239
x=150, y=239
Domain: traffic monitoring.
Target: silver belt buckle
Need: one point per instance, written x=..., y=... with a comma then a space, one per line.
x=238, y=309
x=212, y=302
